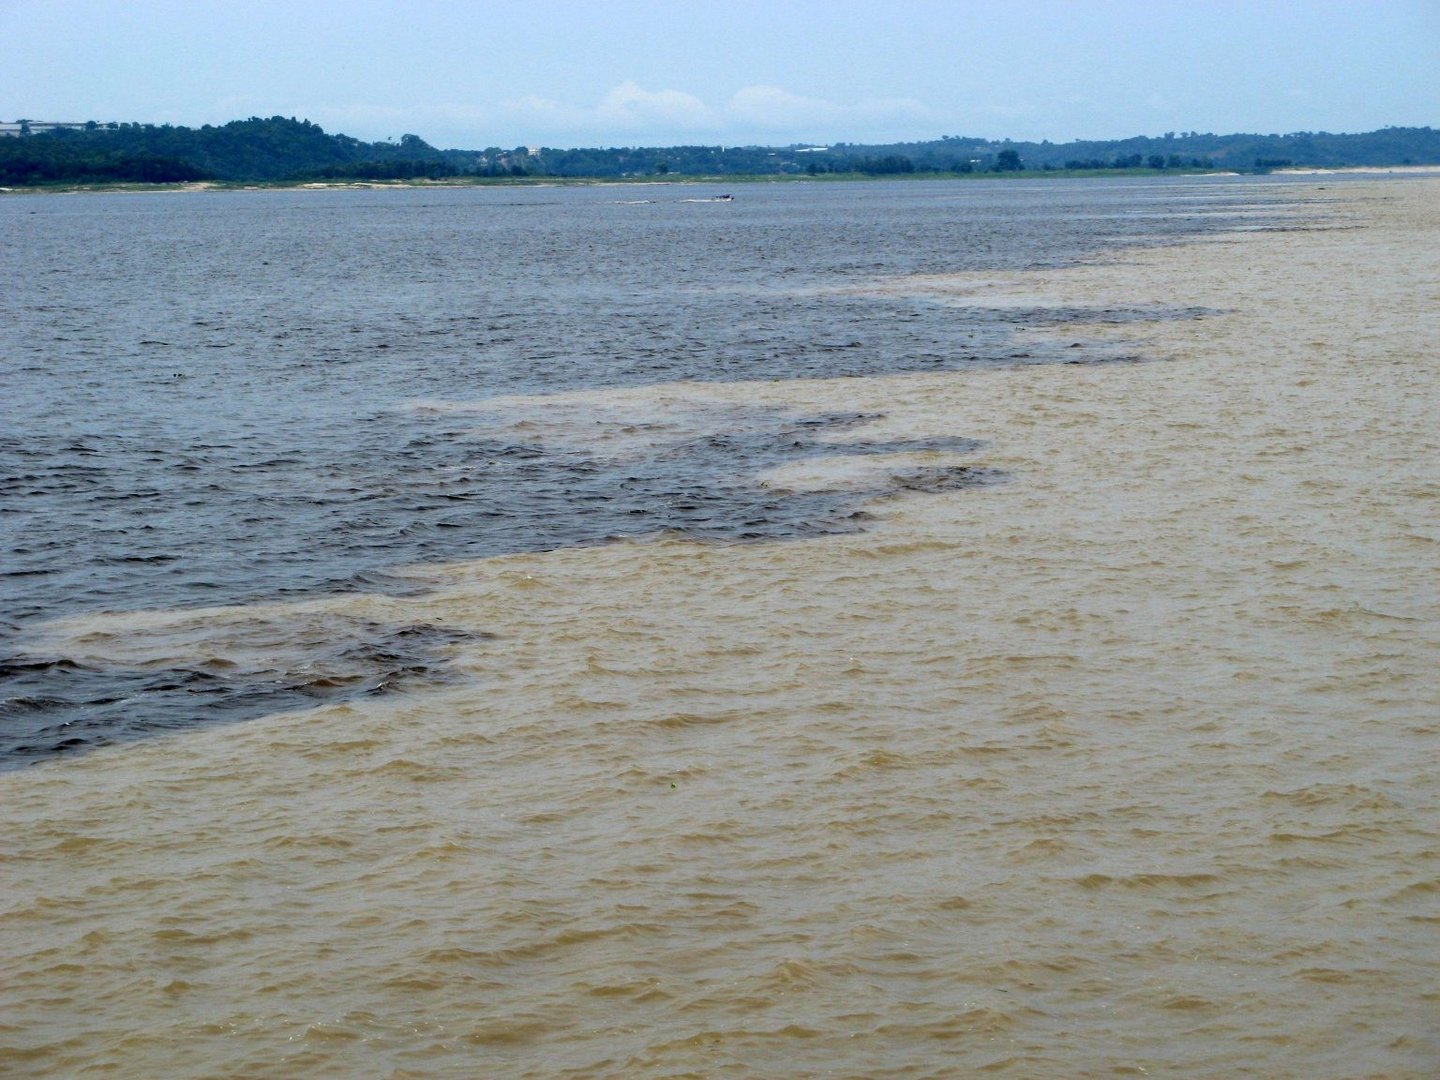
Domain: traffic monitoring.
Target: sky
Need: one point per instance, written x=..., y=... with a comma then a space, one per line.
x=566, y=73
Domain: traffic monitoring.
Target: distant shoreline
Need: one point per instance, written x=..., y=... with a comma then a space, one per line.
x=607, y=181
x=130, y=187
x=1369, y=170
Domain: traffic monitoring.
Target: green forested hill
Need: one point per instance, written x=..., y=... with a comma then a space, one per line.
x=254, y=149
x=1320, y=149
x=288, y=149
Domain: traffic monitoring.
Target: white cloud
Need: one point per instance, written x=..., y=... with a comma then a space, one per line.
x=772, y=108
x=631, y=108
x=635, y=115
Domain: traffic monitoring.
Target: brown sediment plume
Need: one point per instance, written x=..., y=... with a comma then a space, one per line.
x=1123, y=765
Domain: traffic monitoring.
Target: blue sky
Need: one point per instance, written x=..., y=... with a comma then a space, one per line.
x=663, y=72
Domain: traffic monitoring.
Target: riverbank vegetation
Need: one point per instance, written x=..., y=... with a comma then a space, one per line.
x=284, y=150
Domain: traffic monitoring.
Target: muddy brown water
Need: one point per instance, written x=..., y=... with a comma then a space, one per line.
x=1119, y=760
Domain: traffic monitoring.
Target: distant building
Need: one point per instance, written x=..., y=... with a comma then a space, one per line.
x=36, y=127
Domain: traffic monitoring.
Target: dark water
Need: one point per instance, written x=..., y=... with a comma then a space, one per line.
x=212, y=398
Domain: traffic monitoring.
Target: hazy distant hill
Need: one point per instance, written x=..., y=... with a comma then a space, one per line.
x=1388, y=146
x=289, y=149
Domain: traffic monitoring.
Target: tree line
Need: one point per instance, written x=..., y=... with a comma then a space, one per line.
x=287, y=149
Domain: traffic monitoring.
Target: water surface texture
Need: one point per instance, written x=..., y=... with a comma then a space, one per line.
x=252, y=395
x=1002, y=716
